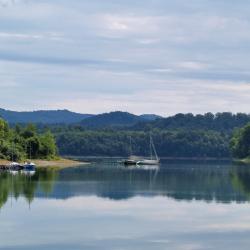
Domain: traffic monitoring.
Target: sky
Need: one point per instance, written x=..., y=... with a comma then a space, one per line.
x=140, y=56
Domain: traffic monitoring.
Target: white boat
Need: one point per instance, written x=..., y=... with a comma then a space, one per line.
x=15, y=166
x=148, y=162
x=29, y=166
x=132, y=160
x=153, y=160
x=28, y=172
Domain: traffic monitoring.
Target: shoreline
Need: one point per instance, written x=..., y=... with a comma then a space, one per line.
x=60, y=163
x=163, y=158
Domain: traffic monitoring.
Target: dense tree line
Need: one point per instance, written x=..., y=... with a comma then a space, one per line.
x=223, y=122
x=182, y=135
x=170, y=143
x=25, y=142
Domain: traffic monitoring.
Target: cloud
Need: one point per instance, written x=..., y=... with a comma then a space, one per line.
x=6, y=3
x=124, y=50
x=30, y=36
x=189, y=65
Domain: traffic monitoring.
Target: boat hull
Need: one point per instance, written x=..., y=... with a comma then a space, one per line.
x=29, y=166
x=148, y=162
x=130, y=162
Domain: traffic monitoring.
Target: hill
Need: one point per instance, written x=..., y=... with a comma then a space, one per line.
x=111, y=119
x=223, y=122
x=42, y=116
x=150, y=117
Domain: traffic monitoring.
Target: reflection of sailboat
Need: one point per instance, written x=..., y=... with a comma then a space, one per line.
x=153, y=160
x=28, y=172
x=13, y=172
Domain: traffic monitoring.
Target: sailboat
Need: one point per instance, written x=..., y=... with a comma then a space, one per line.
x=14, y=166
x=29, y=166
x=154, y=160
x=132, y=160
x=135, y=160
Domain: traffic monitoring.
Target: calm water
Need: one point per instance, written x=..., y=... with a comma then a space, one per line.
x=184, y=206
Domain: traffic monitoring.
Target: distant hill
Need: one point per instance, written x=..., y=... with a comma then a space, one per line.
x=67, y=117
x=45, y=117
x=116, y=118
x=150, y=117
x=225, y=121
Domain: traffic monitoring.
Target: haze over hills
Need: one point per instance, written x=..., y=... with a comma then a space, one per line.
x=68, y=117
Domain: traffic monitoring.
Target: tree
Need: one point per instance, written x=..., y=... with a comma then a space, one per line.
x=240, y=142
x=47, y=146
x=33, y=147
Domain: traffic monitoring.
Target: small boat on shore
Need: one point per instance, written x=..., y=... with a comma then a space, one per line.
x=14, y=166
x=29, y=166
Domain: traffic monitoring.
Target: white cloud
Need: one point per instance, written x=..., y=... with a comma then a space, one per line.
x=189, y=65
x=158, y=50
x=29, y=36
x=6, y=3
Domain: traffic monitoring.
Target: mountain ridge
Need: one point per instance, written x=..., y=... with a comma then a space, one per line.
x=65, y=116
x=42, y=116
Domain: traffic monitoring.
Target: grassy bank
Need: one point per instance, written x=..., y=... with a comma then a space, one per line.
x=58, y=163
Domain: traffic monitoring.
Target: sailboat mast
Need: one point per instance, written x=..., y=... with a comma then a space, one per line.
x=30, y=150
x=150, y=147
x=153, y=147
x=130, y=145
x=12, y=152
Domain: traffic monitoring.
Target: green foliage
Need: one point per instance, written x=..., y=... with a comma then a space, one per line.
x=22, y=143
x=222, y=122
x=47, y=145
x=181, y=135
x=240, y=142
x=169, y=143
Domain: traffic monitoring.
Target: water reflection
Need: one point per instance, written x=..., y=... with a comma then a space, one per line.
x=208, y=182
x=240, y=177
x=25, y=184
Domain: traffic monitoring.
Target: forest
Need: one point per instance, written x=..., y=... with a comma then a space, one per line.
x=24, y=142
x=168, y=143
x=220, y=135
x=182, y=135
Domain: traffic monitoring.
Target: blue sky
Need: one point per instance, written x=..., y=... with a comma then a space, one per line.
x=141, y=56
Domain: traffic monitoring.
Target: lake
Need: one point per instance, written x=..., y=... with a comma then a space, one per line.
x=181, y=205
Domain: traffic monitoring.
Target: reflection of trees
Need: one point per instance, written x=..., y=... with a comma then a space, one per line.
x=240, y=177
x=187, y=182
x=47, y=180
x=4, y=189
x=26, y=185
